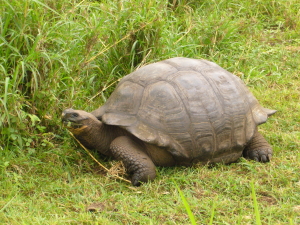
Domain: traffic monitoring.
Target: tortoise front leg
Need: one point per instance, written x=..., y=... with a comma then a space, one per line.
x=136, y=161
x=258, y=149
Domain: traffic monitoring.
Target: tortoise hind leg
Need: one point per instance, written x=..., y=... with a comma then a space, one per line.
x=258, y=149
x=136, y=161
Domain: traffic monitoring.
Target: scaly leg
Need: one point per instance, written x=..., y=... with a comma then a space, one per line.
x=136, y=161
x=258, y=149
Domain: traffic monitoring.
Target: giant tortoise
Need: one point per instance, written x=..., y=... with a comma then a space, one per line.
x=175, y=112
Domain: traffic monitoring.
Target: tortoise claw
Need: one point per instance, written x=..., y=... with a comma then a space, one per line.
x=259, y=155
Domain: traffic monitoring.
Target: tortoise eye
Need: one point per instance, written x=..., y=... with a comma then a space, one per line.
x=75, y=115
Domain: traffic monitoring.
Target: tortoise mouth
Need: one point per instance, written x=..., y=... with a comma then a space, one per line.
x=69, y=123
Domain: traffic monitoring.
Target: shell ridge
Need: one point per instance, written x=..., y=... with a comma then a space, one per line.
x=259, y=114
x=161, y=138
x=222, y=103
x=185, y=102
x=199, y=69
x=230, y=87
x=246, y=104
x=158, y=138
x=209, y=81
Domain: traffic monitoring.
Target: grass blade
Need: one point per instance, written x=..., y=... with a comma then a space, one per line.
x=255, y=205
x=187, y=206
x=212, y=212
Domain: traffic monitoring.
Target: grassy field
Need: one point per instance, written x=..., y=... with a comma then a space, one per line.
x=60, y=54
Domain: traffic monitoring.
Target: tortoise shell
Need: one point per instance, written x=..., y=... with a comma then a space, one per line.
x=193, y=108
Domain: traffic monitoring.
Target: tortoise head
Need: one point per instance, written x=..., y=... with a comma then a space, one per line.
x=79, y=121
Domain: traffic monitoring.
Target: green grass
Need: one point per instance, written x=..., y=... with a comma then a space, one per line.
x=255, y=205
x=60, y=54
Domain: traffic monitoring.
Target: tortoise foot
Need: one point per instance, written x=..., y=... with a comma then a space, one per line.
x=258, y=149
x=136, y=161
x=259, y=155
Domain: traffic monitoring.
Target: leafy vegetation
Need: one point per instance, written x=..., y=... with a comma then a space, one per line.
x=60, y=54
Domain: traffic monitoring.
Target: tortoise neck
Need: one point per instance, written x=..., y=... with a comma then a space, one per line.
x=103, y=141
x=99, y=137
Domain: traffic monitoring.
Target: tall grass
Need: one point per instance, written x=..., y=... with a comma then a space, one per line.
x=59, y=54
x=65, y=52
